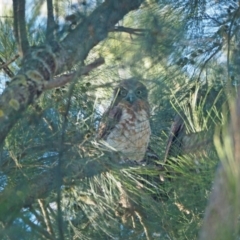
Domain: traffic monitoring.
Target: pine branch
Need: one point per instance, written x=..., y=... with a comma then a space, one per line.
x=27, y=192
x=46, y=218
x=36, y=214
x=29, y=83
x=20, y=26
x=208, y=59
x=66, y=78
x=135, y=31
x=180, y=143
x=143, y=225
x=51, y=25
x=58, y=57
x=4, y=66
x=15, y=20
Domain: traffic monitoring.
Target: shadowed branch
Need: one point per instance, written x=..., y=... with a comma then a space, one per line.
x=51, y=25
x=66, y=78
x=135, y=31
x=4, y=66
x=20, y=31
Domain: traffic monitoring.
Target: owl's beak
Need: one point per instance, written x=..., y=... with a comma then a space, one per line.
x=131, y=97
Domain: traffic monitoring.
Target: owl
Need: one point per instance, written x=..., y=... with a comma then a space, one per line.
x=125, y=125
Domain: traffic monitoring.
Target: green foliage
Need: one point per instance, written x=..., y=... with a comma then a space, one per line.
x=177, y=50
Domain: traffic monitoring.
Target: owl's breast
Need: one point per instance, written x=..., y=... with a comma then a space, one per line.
x=131, y=134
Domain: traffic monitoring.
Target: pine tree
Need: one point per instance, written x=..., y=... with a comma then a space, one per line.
x=58, y=70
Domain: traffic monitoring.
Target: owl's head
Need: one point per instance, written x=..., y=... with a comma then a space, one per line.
x=130, y=90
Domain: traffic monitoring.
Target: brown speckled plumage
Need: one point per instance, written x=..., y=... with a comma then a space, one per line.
x=125, y=126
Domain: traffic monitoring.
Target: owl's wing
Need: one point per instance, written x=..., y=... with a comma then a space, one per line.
x=110, y=118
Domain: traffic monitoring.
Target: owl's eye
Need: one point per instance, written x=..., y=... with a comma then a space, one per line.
x=139, y=92
x=123, y=92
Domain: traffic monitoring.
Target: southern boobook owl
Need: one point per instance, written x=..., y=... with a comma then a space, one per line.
x=125, y=125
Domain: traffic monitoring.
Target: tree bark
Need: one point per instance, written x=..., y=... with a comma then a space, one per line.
x=222, y=213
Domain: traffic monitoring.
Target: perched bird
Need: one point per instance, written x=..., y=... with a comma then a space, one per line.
x=125, y=125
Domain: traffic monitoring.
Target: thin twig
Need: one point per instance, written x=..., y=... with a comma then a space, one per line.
x=66, y=78
x=6, y=16
x=59, y=81
x=37, y=228
x=4, y=66
x=46, y=217
x=36, y=214
x=206, y=62
x=143, y=225
x=136, y=31
x=212, y=18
